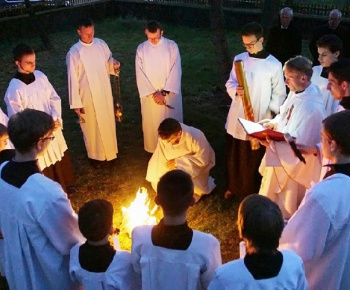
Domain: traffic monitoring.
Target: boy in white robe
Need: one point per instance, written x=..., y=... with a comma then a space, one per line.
x=96, y=265
x=329, y=48
x=260, y=224
x=37, y=222
x=171, y=255
x=158, y=77
x=89, y=65
x=319, y=231
x=186, y=148
x=285, y=177
x=264, y=76
x=30, y=88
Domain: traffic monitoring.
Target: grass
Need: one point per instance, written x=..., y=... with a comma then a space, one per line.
x=203, y=108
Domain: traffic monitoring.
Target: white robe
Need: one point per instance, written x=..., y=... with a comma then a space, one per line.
x=39, y=228
x=319, y=232
x=41, y=96
x=235, y=276
x=161, y=268
x=193, y=155
x=89, y=67
x=3, y=118
x=266, y=88
x=158, y=67
x=329, y=102
x=285, y=178
x=119, y=275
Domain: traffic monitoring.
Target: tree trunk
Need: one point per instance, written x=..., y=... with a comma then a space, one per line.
x=222, y=53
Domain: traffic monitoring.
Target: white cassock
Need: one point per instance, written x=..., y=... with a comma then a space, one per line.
x=39, y=95
x=329, y=102
x=39, y=228
x=161, y=268
x=235, y=276
x=89, y=67
x=319, y=232
x=285, y=177
x=158, y=67
x=193, y=155
x=266, y=88
x=119, y=275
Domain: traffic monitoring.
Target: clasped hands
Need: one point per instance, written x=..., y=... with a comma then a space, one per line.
x=158, y=98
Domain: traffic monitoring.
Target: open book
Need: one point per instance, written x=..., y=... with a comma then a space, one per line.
x=259, y=131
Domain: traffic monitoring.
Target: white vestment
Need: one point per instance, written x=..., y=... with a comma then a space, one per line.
x=266, y=88
x=319, y=232
x=193, y=155
x=89, y=67
x=158, y=67
x=39, y=228
x=119, y=274
x=41, y=96
x=235, y=276
x=161, y=268
x=3, y=118
x=285, y=178
x=329, y=102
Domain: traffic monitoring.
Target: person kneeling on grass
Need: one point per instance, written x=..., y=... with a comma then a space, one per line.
x=186, y=148
x=260, y=224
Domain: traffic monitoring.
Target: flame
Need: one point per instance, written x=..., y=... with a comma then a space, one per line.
x=138, y=213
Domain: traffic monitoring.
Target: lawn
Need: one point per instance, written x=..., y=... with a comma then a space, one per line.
x=203, y=108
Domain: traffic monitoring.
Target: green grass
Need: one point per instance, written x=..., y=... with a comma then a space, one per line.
x=203, y=108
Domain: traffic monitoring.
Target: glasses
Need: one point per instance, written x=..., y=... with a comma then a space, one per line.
x=48, y=138
x=249, y=45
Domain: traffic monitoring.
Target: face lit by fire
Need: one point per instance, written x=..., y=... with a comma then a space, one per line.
x=338, y=89
x=294, y=80
x=27, y=64
x=154, y=37
x=175, y=138
x=86, y=33
x=252, y=44
x=326, y=57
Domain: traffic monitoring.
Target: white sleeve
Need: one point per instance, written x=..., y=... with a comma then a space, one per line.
x=143, y=83
x=14, y=100
x=72, y=61
x=232, y=82
x=173, y=81
x=278, y=93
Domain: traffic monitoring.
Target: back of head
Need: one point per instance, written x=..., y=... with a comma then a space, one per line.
x=95, y=219
x=330, y=41
x=340, y=70
x=260, y=222
x=26, y=128
x=3, y=130
x=175, y=192
x=153, y=26
x=20, y=50
x=168, y=127
x=299, y=64
x=86, y=22
x=337, y=126
x=253, y=28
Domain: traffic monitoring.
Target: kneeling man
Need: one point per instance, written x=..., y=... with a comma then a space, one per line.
x=186, y=148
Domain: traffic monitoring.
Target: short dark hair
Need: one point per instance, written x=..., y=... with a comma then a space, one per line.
x=27, y=127
x=168, y=127
x=330, y=41
x=21, y=50
x=260, y=221
x=95, y=219
x=86, y=22
x=299, y=64
x=337, y=126
x=253, y=28
x=340, y=70
x=175, y=192
x=3, y=130
x=153, y=25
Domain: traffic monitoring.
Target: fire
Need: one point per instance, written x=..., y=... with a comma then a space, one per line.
x=138, y=213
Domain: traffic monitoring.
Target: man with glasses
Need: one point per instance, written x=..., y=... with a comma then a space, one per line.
x=267, y=91
x=158, y=77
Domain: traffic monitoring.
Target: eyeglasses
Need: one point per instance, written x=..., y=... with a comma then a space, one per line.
x=48, y=138
x=249, y=45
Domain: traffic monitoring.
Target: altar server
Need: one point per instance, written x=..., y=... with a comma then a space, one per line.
x=30, y=88
x=171, y=255
x=89, y=65
x=158, y=77
x=37, y=222
x=186, y=148
x=319, y=231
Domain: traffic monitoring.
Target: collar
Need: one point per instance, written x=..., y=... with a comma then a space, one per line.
x=343, y=168
x=324, y=72
x=86, y=44
x=345, y=103
x=25, y=78
x=261, y=54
